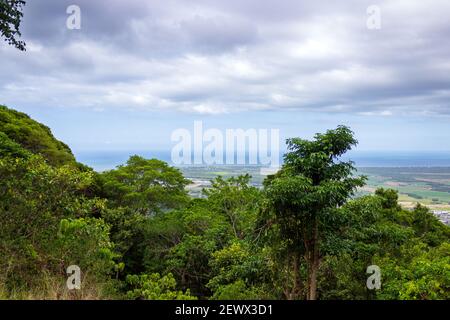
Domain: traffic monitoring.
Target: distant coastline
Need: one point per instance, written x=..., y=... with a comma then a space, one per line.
x=109, y=159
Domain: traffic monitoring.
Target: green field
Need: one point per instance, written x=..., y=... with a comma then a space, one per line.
x=429, y=186
x=426, y=185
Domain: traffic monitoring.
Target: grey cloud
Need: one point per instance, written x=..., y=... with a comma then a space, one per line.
x=227, y=56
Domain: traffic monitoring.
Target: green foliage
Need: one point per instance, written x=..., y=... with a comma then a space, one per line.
x=237, y=291
x=85, y=242
x=136, y=234
x=145, y=186
x=235, y=200
x=10, y=19
x=427, y=227
x=183, y=242
x=409, y=247
x=154, y=287
x=343, y=277
x=9, y=148
x=138, y=193
x=419, y=273
x=389, y=198
x=125, y=231
x=303, y=196
x=241, y=271
x=34, y=137
x=42, y=227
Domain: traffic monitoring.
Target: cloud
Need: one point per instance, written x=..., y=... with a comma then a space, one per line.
x=215, y=57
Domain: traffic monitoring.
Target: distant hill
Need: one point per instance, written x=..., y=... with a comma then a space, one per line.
x=32, y=136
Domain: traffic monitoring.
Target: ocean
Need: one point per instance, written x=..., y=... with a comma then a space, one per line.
x=106, y=160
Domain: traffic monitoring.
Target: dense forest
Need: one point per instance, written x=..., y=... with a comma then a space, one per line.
x=136, y=234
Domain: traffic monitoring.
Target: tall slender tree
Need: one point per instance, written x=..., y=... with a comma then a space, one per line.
x=303, y=198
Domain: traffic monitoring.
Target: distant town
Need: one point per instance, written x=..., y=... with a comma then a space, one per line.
x=443, y=216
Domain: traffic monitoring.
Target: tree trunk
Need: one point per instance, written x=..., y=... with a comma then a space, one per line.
x=307, y=257
x=294, y=288
x=313, y=263
x=297, y=280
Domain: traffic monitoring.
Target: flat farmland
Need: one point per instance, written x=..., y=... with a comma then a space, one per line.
x=429, y=186
x=426, y=185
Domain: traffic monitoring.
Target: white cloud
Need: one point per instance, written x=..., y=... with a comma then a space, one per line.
x=215, y=57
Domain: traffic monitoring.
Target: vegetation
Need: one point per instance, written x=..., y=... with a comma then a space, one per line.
x=135, y=233
x=10, y=19
x=33, y=136
x=303, y=198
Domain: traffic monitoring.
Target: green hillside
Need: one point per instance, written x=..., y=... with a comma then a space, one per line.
x=34, y=136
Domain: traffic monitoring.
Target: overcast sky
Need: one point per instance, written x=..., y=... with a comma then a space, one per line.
x=136, y=70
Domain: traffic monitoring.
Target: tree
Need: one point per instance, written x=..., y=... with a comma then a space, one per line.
x=145, y=186
x=418, y=273
x=236, y=200
x=371, y=225
x=241, y=272
x=9, y=148
x=154, y=287
x=45, y=224
x=183, y=242
x=303, y=197
x=10, y=19
x=389, y=198
x=139, y=193
x=427, y=227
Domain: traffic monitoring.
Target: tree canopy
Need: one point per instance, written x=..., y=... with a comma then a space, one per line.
x=304, y=197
